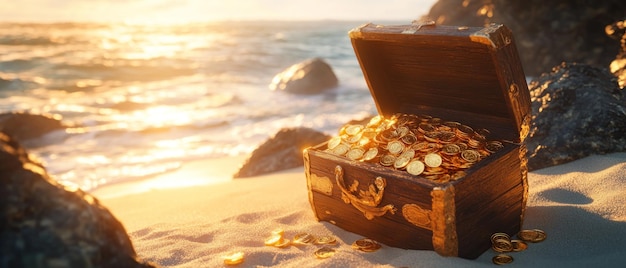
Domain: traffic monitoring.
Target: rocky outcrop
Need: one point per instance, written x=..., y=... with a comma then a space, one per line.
x=24, y=126
x=617, y=31
x=308, y=77
x=43, y=224
x=578, y=110
x=546, y=32
x=283, y=151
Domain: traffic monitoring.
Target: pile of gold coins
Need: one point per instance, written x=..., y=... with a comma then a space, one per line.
x=421, y=145
x=503, y=244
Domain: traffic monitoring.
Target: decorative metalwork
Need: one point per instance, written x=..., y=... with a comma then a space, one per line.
x=366, y=201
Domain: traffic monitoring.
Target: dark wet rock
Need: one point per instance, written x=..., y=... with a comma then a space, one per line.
x=617, y=31
x=281, y=152
x=24, y=126
x=308, y=77
x=44, y=224
x=546, y=32
x=578, y=110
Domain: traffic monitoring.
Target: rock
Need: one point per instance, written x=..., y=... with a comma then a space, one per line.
x=44, y=224
x=617, y=31
x=283, y=151
x=24, y=126
x=578, y=110
x=308, y=77
x=546, y=32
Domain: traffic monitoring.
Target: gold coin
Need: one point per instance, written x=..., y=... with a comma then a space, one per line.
x=447, y=136
x=402, y=131
x=451, y=149
x=432, y=160
x=234, y=258
x=355, y=153
x=395, y=147
x=353, y=129
x=303, y=239
x=401, y=162
x=387, y=160
x=341, y=149
x=420, y=146
x=502, y=245
x=326, y=240
x=273, y=239
x=410, y=153
x=353, y=138
x=502, y=259
x=370, y=154
x=409, y=139
x=283, y=243
x=464, y=132
x=415, y=167
x=493, y=146
x=470, y=155
x=324, y=253
x=497, y=236
x=366, y=245
x=519, y=245
x=333, y=142
x=534, y=235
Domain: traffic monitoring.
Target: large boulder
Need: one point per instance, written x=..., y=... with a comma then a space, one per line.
x=283, y=151
x=43, y=224
x=24, y=126
x=546, y=32
x=308, y=77
x=578, y=110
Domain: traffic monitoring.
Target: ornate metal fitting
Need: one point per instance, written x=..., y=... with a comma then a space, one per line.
x=366, y=201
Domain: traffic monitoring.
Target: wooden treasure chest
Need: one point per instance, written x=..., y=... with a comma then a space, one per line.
x=443, y=165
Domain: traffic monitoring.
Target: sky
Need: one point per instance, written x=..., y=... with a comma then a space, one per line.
x=180, y=11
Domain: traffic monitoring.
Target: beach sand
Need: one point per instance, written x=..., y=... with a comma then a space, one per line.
x=580, y=205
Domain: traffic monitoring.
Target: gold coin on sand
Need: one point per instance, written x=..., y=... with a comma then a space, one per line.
x=234, y=258
x=502, y=259
x=502, y=245
x=303, y=239
x=366, y=245
x=283, y=243
x=519, y=245
x=497, y=236
x=415, y=167
x=534, y=235
x=324, y=253
x=273, y=239
x=326, y=240
x=433, y=160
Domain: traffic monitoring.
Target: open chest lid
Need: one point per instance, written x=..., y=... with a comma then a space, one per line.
x=472, y=75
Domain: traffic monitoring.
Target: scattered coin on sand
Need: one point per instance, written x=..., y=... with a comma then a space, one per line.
x=234, y=258
x=324, y=253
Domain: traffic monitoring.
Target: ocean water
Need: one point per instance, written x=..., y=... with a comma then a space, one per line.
x=142, y=100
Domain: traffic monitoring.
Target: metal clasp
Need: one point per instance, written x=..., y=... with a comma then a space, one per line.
x=367, y=201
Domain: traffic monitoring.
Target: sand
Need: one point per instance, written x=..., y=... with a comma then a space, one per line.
x=180, y=220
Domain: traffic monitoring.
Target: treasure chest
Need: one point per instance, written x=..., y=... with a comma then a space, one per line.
x=443, y=165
